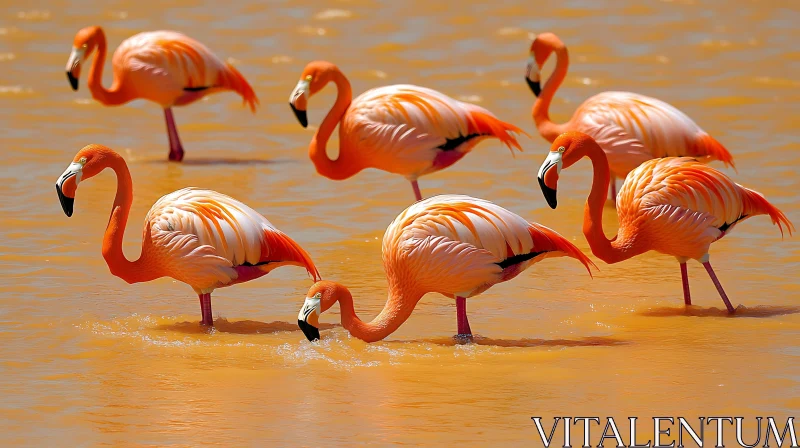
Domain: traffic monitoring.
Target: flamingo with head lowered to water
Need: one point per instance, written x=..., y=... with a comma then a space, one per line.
x=458, y=246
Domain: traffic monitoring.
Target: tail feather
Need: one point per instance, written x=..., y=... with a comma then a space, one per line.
x=482, y=122
x=232, y=79
x=277, y=246
x=706, y=145
x=546, y=239
x=756, y=204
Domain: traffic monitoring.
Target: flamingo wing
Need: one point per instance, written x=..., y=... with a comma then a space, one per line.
x=632, y=128
x=402, y=128
x=686, y=205
x=459, y=245
x=173, y=69
x=203, y=238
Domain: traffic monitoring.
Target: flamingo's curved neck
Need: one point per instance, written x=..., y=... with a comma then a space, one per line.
x=131, y=271
x=344, y=166
x=541, y=108
x=618, y=248
x=114, y=95
x=396, y=311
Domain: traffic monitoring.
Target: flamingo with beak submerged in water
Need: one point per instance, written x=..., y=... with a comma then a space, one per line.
x=458, y=246
x=199, y=237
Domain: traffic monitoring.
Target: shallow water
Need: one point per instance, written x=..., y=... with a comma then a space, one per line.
x=89, y=359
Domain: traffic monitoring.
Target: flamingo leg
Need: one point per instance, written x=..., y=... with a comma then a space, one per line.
x=612, y=191
x=205, y=310
x=417, y=193
x=175, y=147
x=721, y=291
x=461, y=314
x=687, y=296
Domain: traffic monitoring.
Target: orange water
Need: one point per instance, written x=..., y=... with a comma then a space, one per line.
x=87, y=359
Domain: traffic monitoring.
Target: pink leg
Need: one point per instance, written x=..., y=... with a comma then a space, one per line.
x=613, y=191
x=417, y=193
x=687, y=297
x=175, y=147
x=461, y=314
x=205, y=310
x=721, y=291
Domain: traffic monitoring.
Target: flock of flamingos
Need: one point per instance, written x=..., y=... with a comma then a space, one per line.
x=670, y=201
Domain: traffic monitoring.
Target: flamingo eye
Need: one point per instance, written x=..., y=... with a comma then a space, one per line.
x=561, y=149
x=82, y=161
x=309, y=78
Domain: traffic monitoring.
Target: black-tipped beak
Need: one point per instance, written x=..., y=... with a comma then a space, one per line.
x=301, y=115
x=549, y=194
x=66, y=203
x=73, y=81
x=311, y=332
x=536, y=86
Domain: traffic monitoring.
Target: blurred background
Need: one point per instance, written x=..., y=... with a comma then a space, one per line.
x=88, y=360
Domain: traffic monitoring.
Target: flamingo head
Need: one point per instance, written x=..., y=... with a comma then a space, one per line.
x=82, y=46
x=541, y=48
x=563, y=153
x=314, y=77
x=87, y=163
x=320, y=298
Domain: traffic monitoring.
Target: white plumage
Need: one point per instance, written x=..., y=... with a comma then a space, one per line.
x=204, y=235
x=473, y=221
x=403, y=126
x=167, y=62
x=633, y=128
x=231, y=227
x=680, y=196
x=454, y=244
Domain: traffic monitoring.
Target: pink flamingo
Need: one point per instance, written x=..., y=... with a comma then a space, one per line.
x=199, y=237
x=458, y=246
x=402, y=129
x=631, y=128
x=675, y=205
x=165, y=67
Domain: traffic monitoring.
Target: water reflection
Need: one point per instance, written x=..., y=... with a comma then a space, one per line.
x=223, y=325
x=89, y=360
x=741, y=311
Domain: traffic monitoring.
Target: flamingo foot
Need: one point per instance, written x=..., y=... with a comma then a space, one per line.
x=721, y=291
x=417, y=193
x=205, y=310
x=612, y=191
x=175, y=147
x=464, y=332
x=176, y=155
x=687, y=296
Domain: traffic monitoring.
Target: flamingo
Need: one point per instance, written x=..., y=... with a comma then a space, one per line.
x=402, y=129
x=165, y=67
x=631, y=128
x=455, y=245
x=676, y=206
x=200, y=237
